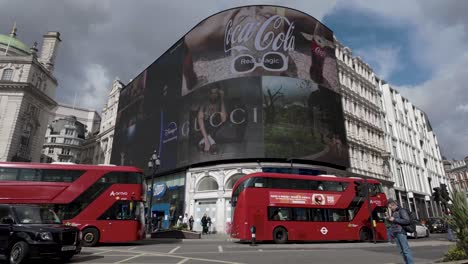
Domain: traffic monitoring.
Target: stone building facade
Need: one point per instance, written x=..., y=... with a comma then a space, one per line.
x=27, y=92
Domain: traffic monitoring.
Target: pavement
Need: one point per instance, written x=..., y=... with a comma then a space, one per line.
x=219, y=249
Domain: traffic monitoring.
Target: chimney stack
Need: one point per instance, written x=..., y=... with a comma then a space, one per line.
x=49, y=49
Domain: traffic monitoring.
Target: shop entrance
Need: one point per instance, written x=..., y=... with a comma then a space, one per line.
x=160, y=216
x=207, y=207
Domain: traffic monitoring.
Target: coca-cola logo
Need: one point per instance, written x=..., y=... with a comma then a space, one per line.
x=266, y=35
x=320, y=52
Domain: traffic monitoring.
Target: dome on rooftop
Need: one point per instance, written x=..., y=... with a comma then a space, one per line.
x=14, y=43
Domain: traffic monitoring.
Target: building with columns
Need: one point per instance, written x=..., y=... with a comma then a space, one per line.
x=104, y=139
x=413, y=153
x=361, y=100
x=457, y=172
x=383, y=143
x=27, y=92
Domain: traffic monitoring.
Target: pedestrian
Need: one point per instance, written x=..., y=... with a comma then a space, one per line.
x=179, y=221
x=185, y=220
x=208, y=220
x=399, y=218
x=388, y=225
x=451, y=236
x=191, y=222
x=204, y=222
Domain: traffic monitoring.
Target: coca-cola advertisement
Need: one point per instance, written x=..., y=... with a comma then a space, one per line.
x=259, y=41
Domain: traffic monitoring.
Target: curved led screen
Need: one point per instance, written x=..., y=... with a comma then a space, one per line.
x=250, y=82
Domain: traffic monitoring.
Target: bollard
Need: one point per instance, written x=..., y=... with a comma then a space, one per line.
x=253, y=230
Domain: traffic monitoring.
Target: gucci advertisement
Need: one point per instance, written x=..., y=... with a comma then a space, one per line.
x=255, y=82
x=222, y=120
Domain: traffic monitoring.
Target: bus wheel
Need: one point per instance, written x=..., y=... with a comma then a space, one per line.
x=364, y=235
x=90, y=237
x=280, y=235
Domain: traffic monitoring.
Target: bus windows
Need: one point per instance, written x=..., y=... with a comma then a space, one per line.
x=259, y=182
x=317, y=215
x=8, y=174
x=379, y=214
x=120, y=210
x=375, y=189
x=300, y=214
x=279, y=214
x=122, y=177
x=30, y=175
x=338, y=215
x=335, y=186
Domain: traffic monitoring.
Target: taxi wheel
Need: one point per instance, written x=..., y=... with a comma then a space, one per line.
x=18, y=253
x=90, y=237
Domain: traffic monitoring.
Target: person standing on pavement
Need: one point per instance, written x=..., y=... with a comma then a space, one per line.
x=185, y=219
x=451, y=236
x=400, y=217
x=208, y=220
x=191, y=220
x=204, y=223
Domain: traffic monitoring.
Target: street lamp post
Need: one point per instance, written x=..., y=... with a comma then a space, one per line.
x=153, y=165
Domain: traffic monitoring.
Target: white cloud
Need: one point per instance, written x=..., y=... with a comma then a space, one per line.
x=96, y=88
x=462, y=107
x=384, y=59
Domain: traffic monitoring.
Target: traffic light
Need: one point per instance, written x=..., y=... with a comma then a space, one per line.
x=436, y=194
x=360, y=189
x=444, y=193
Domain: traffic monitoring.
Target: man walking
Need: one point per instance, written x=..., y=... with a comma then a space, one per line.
x=399, y=218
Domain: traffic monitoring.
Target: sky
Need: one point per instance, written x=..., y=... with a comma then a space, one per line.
x=419, y=46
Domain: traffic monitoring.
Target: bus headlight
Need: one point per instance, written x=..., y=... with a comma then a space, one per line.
x=80, y=235
x=45, y=236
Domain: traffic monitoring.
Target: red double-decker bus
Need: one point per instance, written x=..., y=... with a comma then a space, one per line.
x=288, y=207
x=104, y=202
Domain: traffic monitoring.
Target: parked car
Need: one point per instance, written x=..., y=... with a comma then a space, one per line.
x=437, y=225
x=421, y=231
x=28, y=231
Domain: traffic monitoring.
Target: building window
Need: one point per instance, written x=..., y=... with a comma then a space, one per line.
x=207, y=184
x=66, y=151
x=49, y=160
x=68, y=141
x=7, y=75
x=69, y=132
x=51, y=150
x=53, y=139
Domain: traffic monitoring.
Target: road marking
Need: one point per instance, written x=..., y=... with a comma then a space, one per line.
x=127, y=259
x=183, y=261
x=220, y=249
x=102, y=252
x=174, y=250
x=147, y=253
x=132, y=248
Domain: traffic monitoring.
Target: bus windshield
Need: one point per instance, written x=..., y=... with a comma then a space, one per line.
x=35, y=215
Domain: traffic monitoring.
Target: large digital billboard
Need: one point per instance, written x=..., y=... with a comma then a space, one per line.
x=250, y=82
